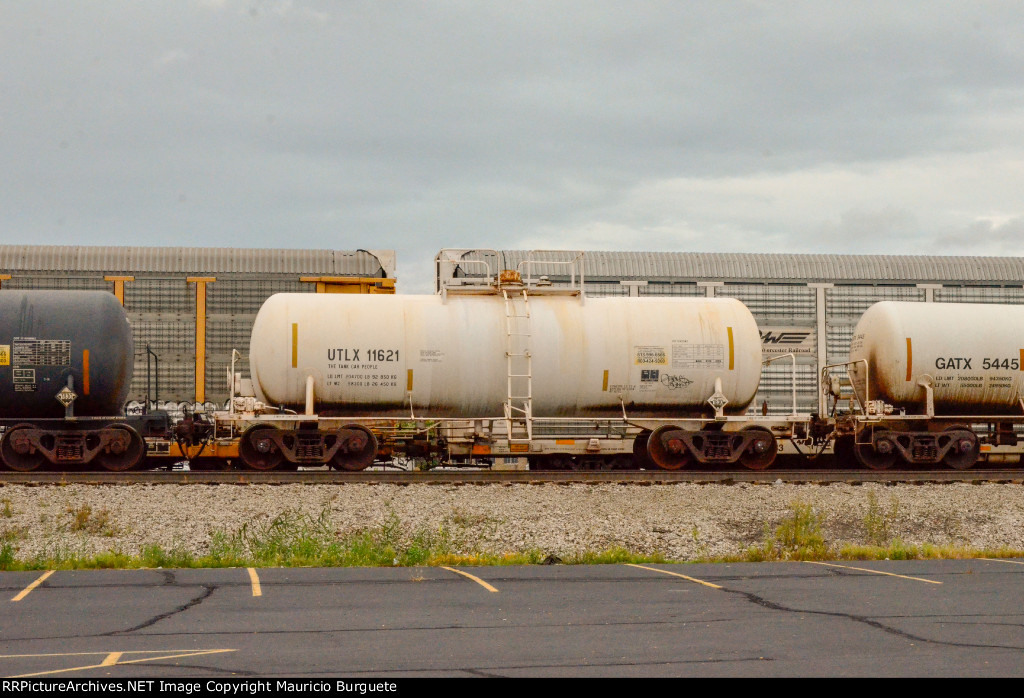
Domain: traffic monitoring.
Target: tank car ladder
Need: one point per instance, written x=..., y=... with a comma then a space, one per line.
x=519, y=404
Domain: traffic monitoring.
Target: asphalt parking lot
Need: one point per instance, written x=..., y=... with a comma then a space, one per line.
x=886, y=618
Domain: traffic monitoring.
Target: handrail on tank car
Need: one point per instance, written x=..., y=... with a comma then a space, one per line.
x=573, y=264
x=867, y=383
x=443, y=257
x=154, y=371
x=792, y=357
x=231, y=395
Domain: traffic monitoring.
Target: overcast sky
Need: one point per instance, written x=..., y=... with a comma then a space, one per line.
x=849, y=127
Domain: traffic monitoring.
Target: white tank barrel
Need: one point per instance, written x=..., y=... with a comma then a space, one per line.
x=972, y=354
x=368, y=354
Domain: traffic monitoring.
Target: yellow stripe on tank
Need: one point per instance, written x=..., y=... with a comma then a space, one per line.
x=85, y=371
x=732, y=350
x=295, y=345
x=910, y=360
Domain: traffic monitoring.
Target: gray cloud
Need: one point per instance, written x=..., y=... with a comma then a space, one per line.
x=987, y=237
x=876, y=126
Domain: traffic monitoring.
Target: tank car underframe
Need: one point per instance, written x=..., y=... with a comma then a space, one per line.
x=351, y=447
x=672, y=448
x=958, y=441
x=34, y=443
x=271, y=441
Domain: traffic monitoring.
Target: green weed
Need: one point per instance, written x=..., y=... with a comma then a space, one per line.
x=797, y=537
x=877, y=522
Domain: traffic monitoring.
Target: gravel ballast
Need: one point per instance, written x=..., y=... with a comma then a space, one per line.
x=680, y=521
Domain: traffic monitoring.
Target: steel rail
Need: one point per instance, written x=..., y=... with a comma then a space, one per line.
x=485, y=477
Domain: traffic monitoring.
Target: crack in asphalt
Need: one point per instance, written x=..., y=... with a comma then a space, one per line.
x=866, y=620
x=208, y=589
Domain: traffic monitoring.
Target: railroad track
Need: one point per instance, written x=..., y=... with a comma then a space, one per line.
x=485, y=477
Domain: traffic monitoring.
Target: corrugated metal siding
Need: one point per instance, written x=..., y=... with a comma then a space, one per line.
x=234, y=296
x=773, y=267
x=187, y=260
x=852, y=301
x=57, y=283
x=605, y=289
x=978, y=294
x=162, y=313
x=669, y=289
x=773, y=302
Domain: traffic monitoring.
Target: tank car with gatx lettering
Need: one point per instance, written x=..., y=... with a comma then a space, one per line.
x=66, y=362
x=928, y=374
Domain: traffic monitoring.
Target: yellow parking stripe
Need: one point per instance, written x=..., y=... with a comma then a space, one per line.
x=180, y=654
x=27, y=590
x=1000, y=559
x=865, y=569
x=255, y=579
x=676, y=574
x=111, y=659
x=479, y=581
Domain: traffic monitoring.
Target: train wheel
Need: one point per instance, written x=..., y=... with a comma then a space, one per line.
x=642, y=459
x=16, y=450
x=359, y=451
x=881, y=459
x=761, y=451
x=258, y=450
x=965, y=450
x=124, y=450
x=671, y=456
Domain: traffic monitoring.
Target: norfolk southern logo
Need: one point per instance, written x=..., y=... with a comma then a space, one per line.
x=674, y=382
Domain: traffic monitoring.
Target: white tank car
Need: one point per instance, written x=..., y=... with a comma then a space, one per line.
x=972, y=354
x=368, y=355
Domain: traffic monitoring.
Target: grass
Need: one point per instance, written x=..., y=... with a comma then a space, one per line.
x=295, y=539
x=799, y=537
